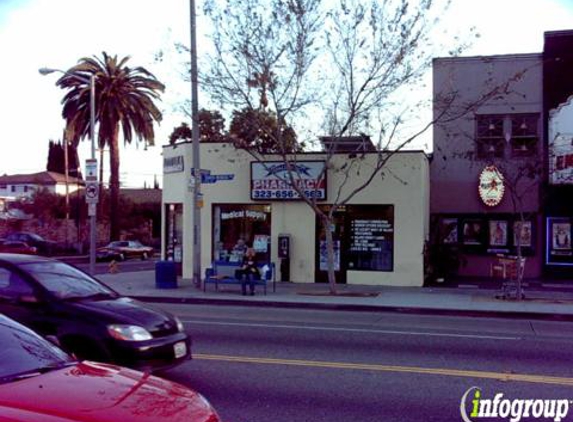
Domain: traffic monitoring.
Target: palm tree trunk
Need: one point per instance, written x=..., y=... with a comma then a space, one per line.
x=114, y=185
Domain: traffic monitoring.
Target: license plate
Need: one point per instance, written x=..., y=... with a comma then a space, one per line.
x=180, y=349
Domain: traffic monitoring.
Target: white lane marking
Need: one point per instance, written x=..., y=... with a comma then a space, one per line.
x=352, y=330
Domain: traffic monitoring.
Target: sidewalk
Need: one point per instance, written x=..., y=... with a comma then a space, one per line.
x=554, y=302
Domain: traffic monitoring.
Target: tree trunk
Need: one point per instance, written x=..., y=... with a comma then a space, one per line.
x=327, y=224
x=114, y=186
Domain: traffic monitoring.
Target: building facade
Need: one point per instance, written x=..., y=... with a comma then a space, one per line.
x=500, y=160
x=379, y=235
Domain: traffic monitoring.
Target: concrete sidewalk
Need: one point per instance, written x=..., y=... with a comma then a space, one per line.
x=540, y=302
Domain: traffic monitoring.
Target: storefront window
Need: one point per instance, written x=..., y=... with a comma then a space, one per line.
x=371, y=238
x=492, y=234
x=237, y=227
x=559, y=245
x=363, y=238
x=174, y=232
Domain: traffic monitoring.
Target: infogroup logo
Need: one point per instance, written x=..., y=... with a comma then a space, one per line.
x=474, y=406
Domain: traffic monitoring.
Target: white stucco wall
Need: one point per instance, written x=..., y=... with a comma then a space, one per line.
x=404, y=184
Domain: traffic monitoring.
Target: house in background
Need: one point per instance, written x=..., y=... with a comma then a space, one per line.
x=18, y=186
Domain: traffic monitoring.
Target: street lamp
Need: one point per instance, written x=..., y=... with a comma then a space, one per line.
x=92, y=210
x=196, y=151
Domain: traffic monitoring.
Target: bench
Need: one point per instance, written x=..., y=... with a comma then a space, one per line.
x=223, y=272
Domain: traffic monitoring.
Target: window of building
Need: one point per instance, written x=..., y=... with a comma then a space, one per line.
x=490, y=138
x=504, y=136
x=371, y=229
x=524, y=134
x=13, y=188
x=174, y=232
x=491, y=234
x=237, y=227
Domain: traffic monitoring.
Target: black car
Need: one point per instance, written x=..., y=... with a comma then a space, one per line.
x=87, y=318
x=43, y=246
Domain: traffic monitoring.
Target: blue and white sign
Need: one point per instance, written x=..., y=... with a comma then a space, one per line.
x=271, y=180
x=213, y=178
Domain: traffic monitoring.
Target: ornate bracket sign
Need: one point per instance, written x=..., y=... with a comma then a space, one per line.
x=491, y=186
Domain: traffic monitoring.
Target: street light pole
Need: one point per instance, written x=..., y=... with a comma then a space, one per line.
x=92, y=209
x=196, y=151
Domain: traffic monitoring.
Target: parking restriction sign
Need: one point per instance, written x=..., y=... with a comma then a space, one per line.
x=92, y=192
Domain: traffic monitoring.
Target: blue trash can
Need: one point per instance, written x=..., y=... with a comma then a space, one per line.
x=165, y=275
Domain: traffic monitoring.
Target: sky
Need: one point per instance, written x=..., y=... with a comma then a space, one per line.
x=57, y=33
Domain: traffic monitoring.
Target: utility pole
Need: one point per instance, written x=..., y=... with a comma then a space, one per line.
x=196, y=160
x=66, y=165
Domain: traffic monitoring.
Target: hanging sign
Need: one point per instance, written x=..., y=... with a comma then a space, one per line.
x=491, y=186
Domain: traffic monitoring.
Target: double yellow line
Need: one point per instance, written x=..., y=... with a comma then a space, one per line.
x=499, y=376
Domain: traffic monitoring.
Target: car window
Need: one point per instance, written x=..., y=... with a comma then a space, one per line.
x=65, y=281
x=23, y=352
x=12, y=286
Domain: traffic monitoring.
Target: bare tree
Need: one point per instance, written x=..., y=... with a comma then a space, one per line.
x=352, y=65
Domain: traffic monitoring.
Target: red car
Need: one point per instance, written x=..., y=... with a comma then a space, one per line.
x=16, y=246
x=39, y=382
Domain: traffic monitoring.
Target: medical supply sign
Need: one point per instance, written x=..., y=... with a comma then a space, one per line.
x=273, y=180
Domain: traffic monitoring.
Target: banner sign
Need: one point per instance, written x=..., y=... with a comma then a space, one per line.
x=271, y=180
x=173, y=164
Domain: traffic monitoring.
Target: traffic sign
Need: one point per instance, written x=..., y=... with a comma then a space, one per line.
x=92, y=192
x=91, y=170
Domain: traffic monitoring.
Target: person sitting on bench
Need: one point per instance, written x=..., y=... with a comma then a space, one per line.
x=249, y=272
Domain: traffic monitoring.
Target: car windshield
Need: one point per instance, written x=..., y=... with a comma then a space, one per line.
x=24, y=354
x=67, y=282
x=117, y=244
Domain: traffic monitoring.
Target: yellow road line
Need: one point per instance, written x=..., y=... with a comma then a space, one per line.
x=499, y=376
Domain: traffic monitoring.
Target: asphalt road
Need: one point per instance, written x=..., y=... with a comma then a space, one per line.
x=288, y=365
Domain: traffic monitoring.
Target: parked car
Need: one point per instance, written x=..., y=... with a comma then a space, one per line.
x=86, y=317
x=43, y=246
x=39, y=382
x=16, y=246
x=123, y=249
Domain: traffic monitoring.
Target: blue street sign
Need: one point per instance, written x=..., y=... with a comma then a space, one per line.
x=213, y=178
x=207, y=178
x=224, y=176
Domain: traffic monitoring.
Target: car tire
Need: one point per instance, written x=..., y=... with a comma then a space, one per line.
x=144, y=256
x=84, y=348
x=121, y=257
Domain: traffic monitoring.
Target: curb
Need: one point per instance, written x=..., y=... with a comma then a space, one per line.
x=363, y=308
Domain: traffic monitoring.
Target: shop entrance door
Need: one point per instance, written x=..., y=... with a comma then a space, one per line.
x=338, y=235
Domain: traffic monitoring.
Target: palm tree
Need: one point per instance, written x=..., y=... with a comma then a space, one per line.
x=124, y=98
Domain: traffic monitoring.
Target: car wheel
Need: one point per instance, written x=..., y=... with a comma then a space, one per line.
x=84, y=349
x=121, y=257
x=144, y=256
